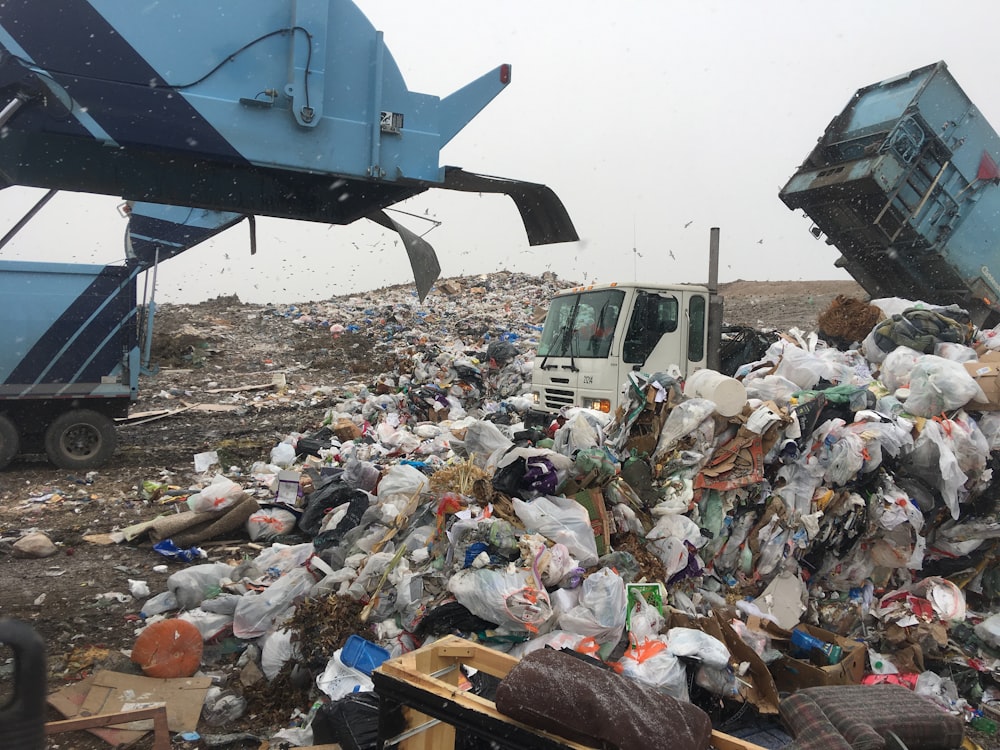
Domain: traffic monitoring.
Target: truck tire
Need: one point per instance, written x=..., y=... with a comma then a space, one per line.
x=80, y=439
x=10, y=441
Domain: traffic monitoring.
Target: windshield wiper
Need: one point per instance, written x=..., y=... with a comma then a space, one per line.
x=564, y=337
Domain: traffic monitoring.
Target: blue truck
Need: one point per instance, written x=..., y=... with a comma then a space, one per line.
x=69, y=364
x=905, y=183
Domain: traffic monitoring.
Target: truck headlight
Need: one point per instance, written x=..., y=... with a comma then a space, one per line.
x=535, y=398
x=601, y=404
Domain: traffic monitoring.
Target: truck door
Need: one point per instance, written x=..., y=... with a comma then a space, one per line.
x=654, y=336
x=666, y=328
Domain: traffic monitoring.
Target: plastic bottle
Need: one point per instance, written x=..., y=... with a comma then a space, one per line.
x=803, y=642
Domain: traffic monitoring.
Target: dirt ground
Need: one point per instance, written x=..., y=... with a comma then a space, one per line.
x=226, y=354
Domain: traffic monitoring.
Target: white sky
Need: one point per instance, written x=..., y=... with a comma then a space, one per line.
x=644, y=116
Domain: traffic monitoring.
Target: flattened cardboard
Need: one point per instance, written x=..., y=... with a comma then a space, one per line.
x=67, y=702
x=761, y=690
x=111, y=692
x=757, y=686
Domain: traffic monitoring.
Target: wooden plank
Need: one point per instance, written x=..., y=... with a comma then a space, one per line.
x=161, y=735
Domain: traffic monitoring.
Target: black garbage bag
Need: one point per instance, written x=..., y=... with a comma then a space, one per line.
x=358, y=503
x=451, y=617
x=501, y=352
x=352, y=722
x=509, y=479
x=326, y=497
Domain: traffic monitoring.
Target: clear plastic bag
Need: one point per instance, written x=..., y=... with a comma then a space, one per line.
x=895, y=370
x=696, y=644
x=771, y=388
x=514, y=599
x=562, y=520
x=938, y=385
x=192, y=585
x=796, y=364
x=258, y=613
x=602, y=608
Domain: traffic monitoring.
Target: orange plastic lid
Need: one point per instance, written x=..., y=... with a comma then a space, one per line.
x=168, y=648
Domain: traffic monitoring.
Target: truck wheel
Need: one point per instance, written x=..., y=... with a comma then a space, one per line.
x=80, y=439
x=10, y=441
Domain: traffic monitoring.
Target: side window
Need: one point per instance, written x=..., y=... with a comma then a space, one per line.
x=696, y=329
x=652, y=317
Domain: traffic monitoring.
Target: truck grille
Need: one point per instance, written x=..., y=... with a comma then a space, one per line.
x=556, y=398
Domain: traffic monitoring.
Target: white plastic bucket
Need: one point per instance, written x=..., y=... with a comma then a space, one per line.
x=728, y=394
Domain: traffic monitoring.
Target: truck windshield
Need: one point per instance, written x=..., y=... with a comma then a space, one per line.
x=581, y=325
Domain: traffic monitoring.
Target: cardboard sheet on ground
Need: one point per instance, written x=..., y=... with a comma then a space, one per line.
x=109, y=692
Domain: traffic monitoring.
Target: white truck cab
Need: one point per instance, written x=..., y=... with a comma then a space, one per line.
x=594, y=336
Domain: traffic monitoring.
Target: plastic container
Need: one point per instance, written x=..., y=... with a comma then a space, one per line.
x=803, y=643
x=362, y=655
x=728, y=394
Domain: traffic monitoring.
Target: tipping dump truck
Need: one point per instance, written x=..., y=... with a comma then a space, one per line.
x=905, y=183
x=200, y=115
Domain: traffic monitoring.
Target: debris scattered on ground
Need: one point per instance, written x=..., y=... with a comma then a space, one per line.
x=842, y=521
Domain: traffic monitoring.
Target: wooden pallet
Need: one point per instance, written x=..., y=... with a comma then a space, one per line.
x=431, y=688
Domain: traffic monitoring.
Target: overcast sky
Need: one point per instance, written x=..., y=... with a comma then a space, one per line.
x=653, y=120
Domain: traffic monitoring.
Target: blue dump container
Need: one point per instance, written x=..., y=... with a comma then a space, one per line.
x=905, y=182
x=362, y=655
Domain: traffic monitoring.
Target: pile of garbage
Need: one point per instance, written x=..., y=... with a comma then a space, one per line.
x=839, y=525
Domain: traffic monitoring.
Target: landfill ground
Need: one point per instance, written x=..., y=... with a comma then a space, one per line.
x=221, y=365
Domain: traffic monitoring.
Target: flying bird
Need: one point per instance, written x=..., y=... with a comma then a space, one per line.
x=689, y=224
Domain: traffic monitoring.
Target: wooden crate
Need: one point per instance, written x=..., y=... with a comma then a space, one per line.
x=428, y=684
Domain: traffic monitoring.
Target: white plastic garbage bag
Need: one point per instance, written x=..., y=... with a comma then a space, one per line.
x=219, y=495
x=403, y=479
x=562, y=520
x=939, y=385
x=696, y=644
x=653, y=664
x=602, y=608
x=258, y=613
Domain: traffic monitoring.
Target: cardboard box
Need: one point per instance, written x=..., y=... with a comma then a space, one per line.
x=986, y=372
x=791, y=674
